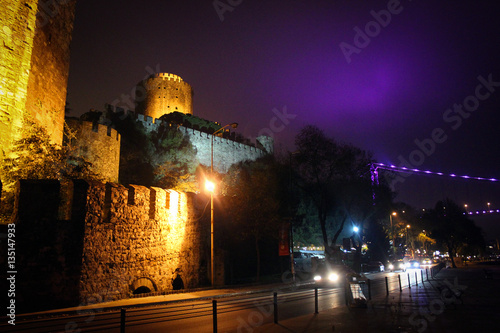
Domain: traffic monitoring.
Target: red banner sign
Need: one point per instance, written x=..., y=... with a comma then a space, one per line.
x=284, y=239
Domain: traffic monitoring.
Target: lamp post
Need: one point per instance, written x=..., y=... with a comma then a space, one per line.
x=210, y=186
x=357, y=254
x=407, y=227
x=392, y=233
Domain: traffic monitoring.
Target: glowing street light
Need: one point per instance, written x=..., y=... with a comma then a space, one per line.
x=355, y=229
x=210, y=186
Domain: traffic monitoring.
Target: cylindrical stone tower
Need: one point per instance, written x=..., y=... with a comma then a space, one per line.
x=163, y=93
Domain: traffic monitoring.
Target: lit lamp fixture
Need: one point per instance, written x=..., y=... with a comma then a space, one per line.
x=210, y=186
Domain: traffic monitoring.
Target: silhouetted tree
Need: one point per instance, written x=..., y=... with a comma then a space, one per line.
x=329, y=172
x=34, y=156
x=251, y=192
x=453, y=229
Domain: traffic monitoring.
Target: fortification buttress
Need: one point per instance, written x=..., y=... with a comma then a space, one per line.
x=163, y=93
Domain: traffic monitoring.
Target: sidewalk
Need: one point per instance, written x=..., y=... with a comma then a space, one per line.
x=172, y=297
x=466, y=299
x=430, y=307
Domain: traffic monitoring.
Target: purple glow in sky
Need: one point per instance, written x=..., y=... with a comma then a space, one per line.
x=271, y=55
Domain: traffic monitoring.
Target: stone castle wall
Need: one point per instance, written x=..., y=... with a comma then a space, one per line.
x=226, y=151
x=83, y=242
x=17, y=30
x=48, y=80
x=140, y=237
x=163, y=93
x=98, y=144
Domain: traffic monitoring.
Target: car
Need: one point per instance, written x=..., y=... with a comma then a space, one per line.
x=302, y=261
x=331, y=275
x=373, y=266
x=426, y=262
x=398, y=265
x=413, y=264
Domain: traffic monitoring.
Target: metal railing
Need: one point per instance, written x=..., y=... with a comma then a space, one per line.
x=120, y=319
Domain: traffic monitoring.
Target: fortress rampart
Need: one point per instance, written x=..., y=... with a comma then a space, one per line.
x=163, y=93
x=226, y=151
x=82, y=242
x=98, y=144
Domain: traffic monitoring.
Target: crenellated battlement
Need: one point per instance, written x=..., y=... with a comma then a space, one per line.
x=152, y=124
x=107, y=240
x=168, y=76
x=163, y=93
x=100, y=129
x=98, y=144
x=227, y=150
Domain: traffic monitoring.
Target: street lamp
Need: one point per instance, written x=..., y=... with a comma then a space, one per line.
x=392, y=233
x=210, y=186
x=407, y=227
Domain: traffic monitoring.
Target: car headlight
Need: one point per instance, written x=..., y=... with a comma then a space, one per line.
x=317, y=277
x=333, y=277
x=416, y=264
x=402, y=265
x=391, y=266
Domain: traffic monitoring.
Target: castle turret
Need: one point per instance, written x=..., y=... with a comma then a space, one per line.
x=163, y=93
x=98, y=144
x=267, y=143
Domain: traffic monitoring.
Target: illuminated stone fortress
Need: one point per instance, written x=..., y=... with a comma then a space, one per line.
x=80, y=242
x=164, y=93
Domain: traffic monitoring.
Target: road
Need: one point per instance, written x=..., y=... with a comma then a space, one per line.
x=234, y=314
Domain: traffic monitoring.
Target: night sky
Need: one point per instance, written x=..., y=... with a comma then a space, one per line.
x=378, y=74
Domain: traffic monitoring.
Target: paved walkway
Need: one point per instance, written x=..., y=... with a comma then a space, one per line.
x=465, y=299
